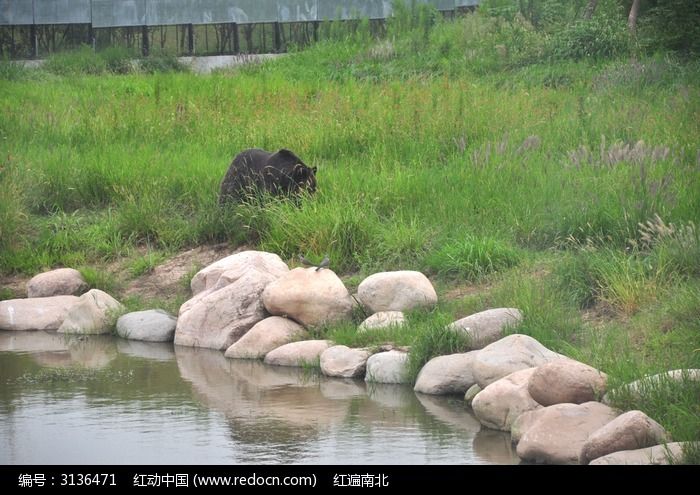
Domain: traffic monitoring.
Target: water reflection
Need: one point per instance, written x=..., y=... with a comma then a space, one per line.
x=159, y=403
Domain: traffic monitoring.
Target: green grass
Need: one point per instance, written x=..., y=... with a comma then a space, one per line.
x=567, y=188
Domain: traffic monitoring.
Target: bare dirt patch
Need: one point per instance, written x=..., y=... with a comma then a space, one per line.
x=168, y=279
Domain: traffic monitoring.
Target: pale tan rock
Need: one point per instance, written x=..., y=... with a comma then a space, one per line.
x=383, y=319
x=96, y=312
x=59, y=282
x=341, y=361
x=236, y=265
x=510, y=354
x=311, y=297
x=630, y=431
x=265, y=336
x=487, y=327
x=658, y=454
x=303, y=353
x=446, y=375
x=566, y=381
x=227, y=301
x=397, y=291
x=501, y=402
x=557, y=433
x=38, y=313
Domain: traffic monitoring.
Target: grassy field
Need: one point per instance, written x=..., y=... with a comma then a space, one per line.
x=567, y=188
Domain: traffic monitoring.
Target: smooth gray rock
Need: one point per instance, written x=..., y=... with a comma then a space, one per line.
x=153, y=325
x=487, y=327
x=59, y=282
x=387, y=367
x=447, y=375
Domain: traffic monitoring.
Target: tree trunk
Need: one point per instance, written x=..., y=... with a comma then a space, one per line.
x=632, y=19
x=590, y=9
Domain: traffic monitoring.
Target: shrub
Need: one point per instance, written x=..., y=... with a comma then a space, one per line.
x=80, y=61
x=599, y=37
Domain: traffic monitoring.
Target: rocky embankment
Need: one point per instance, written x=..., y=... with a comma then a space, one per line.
x=250, y=305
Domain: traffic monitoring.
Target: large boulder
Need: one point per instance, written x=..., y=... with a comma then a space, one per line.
x=383, y=319
x=228, y=300
x=446, y=375
x=557, y=433
x=265, y=336
x=310, y=296
x=341, y=361
x=387, y=367
x=153, y=325
x=566, y=381
x=499, y=404
x=94, y=313
x=303, y=353
x=236, y=264
x=397, y=291
x=658, y=454
x=40, y=313
x=629, y=431
x=487, y=327
x=510, y=354
x=59, y=282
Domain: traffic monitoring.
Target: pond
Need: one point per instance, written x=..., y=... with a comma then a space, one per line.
x=104, y=400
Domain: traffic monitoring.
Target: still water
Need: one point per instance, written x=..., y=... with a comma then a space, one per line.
x=104, y=400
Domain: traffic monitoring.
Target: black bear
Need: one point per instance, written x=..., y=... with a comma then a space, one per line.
x=254, y=170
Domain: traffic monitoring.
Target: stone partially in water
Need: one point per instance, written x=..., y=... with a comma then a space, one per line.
x=500, y=403
x=39, y=313
x=228, y=300
x=445, y=375
x=304, y=353
x=344, y=362
x=387, y=367
x=153, y=325
x=265, y=336
x=94, y=313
